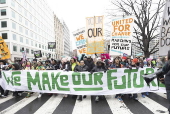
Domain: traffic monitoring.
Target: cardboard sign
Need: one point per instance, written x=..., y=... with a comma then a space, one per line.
x=122, y=29
x=94, y=33
x=81, y=42
x=4, y=51
x=164, y=41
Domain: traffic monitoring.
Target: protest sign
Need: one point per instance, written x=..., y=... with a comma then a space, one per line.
x=4, y=51
x=121, y=35
x=94, y=33
x=116, y=81
x=51, y=45
x=81, y=43
x=164, y=41
x=37, y=54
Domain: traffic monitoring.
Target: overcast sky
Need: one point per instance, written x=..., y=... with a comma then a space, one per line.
x=74, y=12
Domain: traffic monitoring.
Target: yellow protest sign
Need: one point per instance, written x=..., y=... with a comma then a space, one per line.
x=4, y=51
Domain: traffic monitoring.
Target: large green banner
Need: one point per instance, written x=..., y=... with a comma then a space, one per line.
x=99, y=83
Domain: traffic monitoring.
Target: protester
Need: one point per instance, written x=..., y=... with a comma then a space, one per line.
x=166, y=71
x=89, y=62
x=100, y=66
x=134, y=64
x=40, y=67
x=81, y=68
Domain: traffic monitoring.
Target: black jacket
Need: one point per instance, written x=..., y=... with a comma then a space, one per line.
x=99, y=68
x=166, y=71
x=90, y=64
x=79, y=68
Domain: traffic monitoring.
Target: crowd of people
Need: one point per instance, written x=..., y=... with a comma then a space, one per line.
x=86, y=64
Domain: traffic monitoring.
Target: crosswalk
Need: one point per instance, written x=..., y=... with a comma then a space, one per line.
x=156, y=103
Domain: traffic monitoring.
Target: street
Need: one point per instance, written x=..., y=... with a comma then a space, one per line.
x=156, y=103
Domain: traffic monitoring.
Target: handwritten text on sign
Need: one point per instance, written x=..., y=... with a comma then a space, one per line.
x=80, y=39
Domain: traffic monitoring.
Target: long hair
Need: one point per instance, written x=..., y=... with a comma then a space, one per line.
x=114, y=61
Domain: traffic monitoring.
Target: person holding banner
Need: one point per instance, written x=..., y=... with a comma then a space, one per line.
x=166, y=71
x=100, y=67
x=81, y=68
x=40, y=67
x=134, y=64
x=90, y=63
x=117, y=64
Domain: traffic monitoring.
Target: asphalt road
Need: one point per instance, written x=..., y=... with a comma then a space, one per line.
x=156, y=103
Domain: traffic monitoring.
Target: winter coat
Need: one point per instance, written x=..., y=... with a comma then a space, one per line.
x=79, y=68
x=99, y=68
x=166, y=71
x=90, y=64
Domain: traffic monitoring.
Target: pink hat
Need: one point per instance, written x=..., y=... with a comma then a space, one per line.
x=148, y=59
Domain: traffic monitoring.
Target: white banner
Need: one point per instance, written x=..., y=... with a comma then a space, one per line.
x=80, y=39
x=164, y=41
x=122, y=29
x=114, y=81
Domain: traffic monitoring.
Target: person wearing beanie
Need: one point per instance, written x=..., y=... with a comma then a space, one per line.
x=123, y=62
x=134, y=64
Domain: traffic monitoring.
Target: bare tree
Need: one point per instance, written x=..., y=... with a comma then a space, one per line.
x=148, y=17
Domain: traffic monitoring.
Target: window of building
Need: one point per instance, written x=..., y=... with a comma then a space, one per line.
x=21, y=49
x=14, y=37
x=19, y=8
x=2, y=1
x=13, y=25
x=26, y=31
x=32, y=51
x=31, y=43
x=4, y=35
x=20, y=29
x=3, y=12
x=3, y=24
x=15, y=48
x=25, y=13
x=35, y=44
x=26, y=22
x=20, y=19
x=13, y=3
x=27, y=41
x=21, y=39
x=39, y=45
x=13, y=14
x=27, y=50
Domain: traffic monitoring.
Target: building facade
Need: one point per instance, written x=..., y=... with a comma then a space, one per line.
x=59, y=32
x=66, y=35
x=27, y=24
x=136, y=50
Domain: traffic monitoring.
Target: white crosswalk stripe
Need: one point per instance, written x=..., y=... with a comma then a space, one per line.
x=2, y=100
x=162, y=95
x=19, y=105
x=152, y=105
x=83, y=107
x=116, y=106
x=50, y=105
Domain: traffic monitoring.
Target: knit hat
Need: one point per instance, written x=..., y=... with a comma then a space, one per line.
x=148, y=59
x=124, y=57
x=135, y=60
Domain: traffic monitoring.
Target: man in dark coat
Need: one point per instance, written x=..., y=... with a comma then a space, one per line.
x=166, y=71
x=89, y=62
x=81, y=68
x=100, y=67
